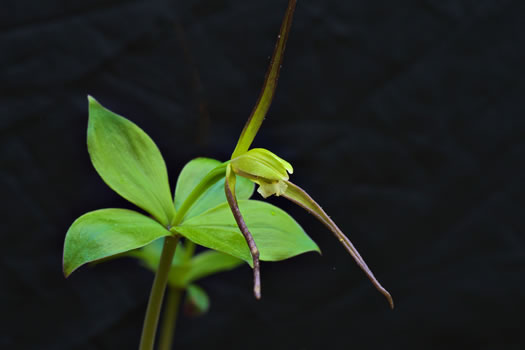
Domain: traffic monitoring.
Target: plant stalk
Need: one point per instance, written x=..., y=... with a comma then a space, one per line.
x=171, y=308
x=169, y=318
x=151, y=320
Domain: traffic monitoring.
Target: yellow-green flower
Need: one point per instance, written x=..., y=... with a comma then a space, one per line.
x=264, y=168
x=271, y=172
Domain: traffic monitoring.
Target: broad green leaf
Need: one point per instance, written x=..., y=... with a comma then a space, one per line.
x=128, y=161
x=303, y=199
x=268, y=90
x=150, y=254
x=204, y=264
x=106, y=232
x=277, y=235
x=197, y=191
x=197, y=300
x=215, y=196
x=183, y=273
x=192, y=174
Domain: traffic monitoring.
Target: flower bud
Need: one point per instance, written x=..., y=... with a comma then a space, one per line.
x=265, y=169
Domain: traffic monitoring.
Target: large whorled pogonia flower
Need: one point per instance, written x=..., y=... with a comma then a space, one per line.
x=271, y=172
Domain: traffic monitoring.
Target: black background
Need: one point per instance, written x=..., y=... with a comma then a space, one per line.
x=403, y=119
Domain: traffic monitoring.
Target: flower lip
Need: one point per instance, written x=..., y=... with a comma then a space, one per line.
x=266, y=189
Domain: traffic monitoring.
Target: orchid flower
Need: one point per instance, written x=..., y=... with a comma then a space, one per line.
x=271, y=172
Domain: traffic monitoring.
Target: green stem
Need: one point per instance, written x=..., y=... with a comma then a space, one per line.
x=171, y=309
x=169, y=318
x=157, y=294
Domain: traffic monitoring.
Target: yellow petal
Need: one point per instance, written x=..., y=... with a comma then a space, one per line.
x=261, y=164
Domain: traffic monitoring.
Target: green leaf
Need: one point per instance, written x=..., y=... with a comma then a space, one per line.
x=192, y=174
x=106, y=232
x=197, y=300
x=204, y=264
x=183, y=273
x=150, y=254
x=268, y=90
x=277, y=235
x=129, y=162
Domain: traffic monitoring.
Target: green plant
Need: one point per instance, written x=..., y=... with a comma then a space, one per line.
x=186, y=270
x=210, y=206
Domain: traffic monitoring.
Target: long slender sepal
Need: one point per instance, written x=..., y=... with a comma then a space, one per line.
x=301, y=198
x=268, y=90
x=229, y=188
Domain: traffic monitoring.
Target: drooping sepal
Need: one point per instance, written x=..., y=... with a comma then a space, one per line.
x=229, y=189
x=303, y=199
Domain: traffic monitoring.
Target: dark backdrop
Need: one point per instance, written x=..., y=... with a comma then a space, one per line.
x=403, y=119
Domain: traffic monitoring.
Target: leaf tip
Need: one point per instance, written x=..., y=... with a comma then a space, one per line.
x=91, y=100
x=66, y=270
x=68, y=267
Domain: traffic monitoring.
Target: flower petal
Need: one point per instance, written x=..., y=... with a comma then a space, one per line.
x=261, y=164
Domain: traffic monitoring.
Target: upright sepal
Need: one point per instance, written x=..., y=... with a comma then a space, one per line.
x=106, y=232
x=268, y=90
x=128, y=161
